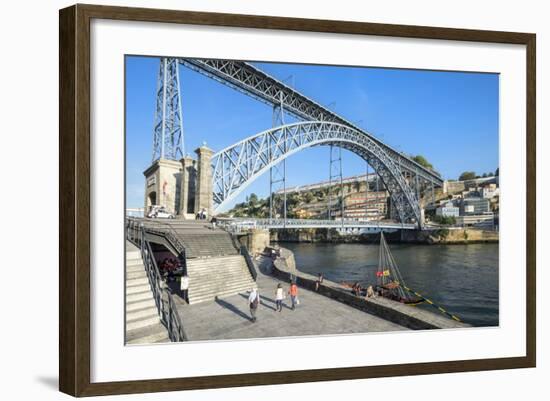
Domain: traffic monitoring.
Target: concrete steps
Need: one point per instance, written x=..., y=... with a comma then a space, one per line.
x=136, y=274
x=217, y=277
x=134, y=306
x=208, y=244
x=136, y=289
x=236, y=277
x=221, y=292
x=147, y=335
x=139, y=296
x=137, y=282
x=142, y=320
x=141, y=313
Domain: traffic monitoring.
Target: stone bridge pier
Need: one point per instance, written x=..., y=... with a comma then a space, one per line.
x=183, y=187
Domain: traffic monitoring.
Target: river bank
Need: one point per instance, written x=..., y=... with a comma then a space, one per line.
x=403, y=315
x=442, y=236
x=461, y=278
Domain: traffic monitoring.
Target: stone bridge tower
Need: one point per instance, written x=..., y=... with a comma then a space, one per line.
x=183, y=187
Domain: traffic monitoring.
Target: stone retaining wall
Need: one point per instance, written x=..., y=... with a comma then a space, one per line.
x=450, y=236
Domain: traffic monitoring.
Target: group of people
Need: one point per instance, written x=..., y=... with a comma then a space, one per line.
x=201, y=215
x=169, y=266
x=254, y=299
x=359, y=291
x=356, y=289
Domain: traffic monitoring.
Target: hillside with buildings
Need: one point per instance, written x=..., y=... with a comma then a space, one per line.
x=319, y=200
x=469, y=203
x=472, y=203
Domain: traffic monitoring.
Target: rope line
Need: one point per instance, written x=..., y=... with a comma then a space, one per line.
x=429, y=301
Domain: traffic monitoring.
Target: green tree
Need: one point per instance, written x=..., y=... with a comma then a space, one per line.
x=445, y=220
x=422, y=161
x=442, y=233
x=467, y=175
x=496, y=171
x=252, y=199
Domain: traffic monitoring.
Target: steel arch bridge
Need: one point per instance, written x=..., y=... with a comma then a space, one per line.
x=237, y=166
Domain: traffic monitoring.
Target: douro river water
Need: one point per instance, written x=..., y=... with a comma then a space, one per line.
x=461, y=278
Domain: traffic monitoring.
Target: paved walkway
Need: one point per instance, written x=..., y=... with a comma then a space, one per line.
x=229, y=317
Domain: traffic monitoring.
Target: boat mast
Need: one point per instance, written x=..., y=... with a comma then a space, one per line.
x=388, y=271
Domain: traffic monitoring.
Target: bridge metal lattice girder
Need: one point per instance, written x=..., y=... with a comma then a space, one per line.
x=253, y=82
x=236, y=166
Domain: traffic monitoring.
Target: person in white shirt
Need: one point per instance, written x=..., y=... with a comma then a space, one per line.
x=184, y=287
x=279, y=295
x=253, y=302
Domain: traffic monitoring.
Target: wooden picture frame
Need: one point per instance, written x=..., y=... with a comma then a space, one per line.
x=75, y=207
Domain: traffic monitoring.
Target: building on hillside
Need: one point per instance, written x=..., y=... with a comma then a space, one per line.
x=370, y=206
x=489, y=191
x=485, y=221
x=474, y=206
x=314, y=210
x=453, y=187
x=447, y=209
x=356, y=183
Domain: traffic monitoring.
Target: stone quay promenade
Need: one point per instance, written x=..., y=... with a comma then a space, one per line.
x=229, y=317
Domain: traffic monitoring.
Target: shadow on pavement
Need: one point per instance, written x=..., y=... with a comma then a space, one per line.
x=274, y=302
x=233, y=308
x=261, y=301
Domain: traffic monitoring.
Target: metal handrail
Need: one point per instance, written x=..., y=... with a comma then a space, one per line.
x=249, y=262
x=154, y=277
x=170, y=235
x=133, y=232
x=167, y=310
x=175, y=328
x=235, y=225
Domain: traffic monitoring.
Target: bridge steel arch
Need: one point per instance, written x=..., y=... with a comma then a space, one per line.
x=238, y=165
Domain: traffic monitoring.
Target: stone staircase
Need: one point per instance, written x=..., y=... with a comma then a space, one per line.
x=142, y=320
x=212, y=243
x=214, y=264
x=217, y=277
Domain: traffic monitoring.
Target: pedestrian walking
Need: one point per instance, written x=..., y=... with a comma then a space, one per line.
x=213, y=221
x=293, y=292
x=253, y=302
x=184, y=287
x=279, y=296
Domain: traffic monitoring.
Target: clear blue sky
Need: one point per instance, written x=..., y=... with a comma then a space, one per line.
x=449, y=117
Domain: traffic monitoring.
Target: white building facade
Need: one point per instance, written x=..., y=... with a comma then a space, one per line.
x=447, y=210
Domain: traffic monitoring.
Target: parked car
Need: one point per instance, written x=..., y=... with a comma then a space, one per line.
x=159, y=212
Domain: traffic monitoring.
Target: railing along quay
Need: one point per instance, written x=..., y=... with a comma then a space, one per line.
x=239, y=224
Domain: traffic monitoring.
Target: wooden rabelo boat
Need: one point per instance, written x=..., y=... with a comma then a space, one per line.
x=390, y=283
